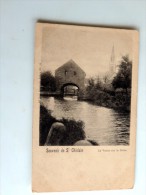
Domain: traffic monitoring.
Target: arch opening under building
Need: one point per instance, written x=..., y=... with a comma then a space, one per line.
x=70, y=90
x=70, y=79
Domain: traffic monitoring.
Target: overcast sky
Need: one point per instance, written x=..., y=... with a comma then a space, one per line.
x=89, y=47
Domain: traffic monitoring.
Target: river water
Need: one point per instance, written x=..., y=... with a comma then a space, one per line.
x=104, y=125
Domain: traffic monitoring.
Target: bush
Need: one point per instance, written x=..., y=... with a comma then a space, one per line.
x=47, y=82
x=46, y=120
x=75, y=129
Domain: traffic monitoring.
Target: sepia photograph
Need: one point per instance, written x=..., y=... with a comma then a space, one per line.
x=85, y=94
x=73, y=95
x=85, y=86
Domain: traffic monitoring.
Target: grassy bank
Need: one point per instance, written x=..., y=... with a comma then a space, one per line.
x=118, y=101
x=75, y=129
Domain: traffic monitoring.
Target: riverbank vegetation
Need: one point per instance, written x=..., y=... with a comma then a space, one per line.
x=112, y=91
x=75, y=129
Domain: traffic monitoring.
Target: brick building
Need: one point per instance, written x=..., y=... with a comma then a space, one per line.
x=70, y=74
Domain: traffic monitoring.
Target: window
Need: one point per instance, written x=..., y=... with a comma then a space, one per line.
x=65, y=72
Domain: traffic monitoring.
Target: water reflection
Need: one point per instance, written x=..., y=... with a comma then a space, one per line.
x=104, y=125
x=70, y=98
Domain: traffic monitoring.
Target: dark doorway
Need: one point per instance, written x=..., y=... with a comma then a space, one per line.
x=70, y=91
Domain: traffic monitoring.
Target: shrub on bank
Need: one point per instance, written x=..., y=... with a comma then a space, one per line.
x=75, y=129
x=46, y=120
x=116, y=100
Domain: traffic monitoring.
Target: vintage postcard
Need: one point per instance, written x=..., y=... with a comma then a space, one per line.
x=84, y=115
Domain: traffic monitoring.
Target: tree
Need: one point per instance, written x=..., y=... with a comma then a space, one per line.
x=99, y=83
x=106, y=79
x=91, y=82
x=48, y=82
x=123, y=77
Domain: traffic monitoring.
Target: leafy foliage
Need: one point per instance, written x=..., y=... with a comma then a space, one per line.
x=123, y=77
x=114, y=93
x=46, y=120
x=48, y=82
x=75, y=129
